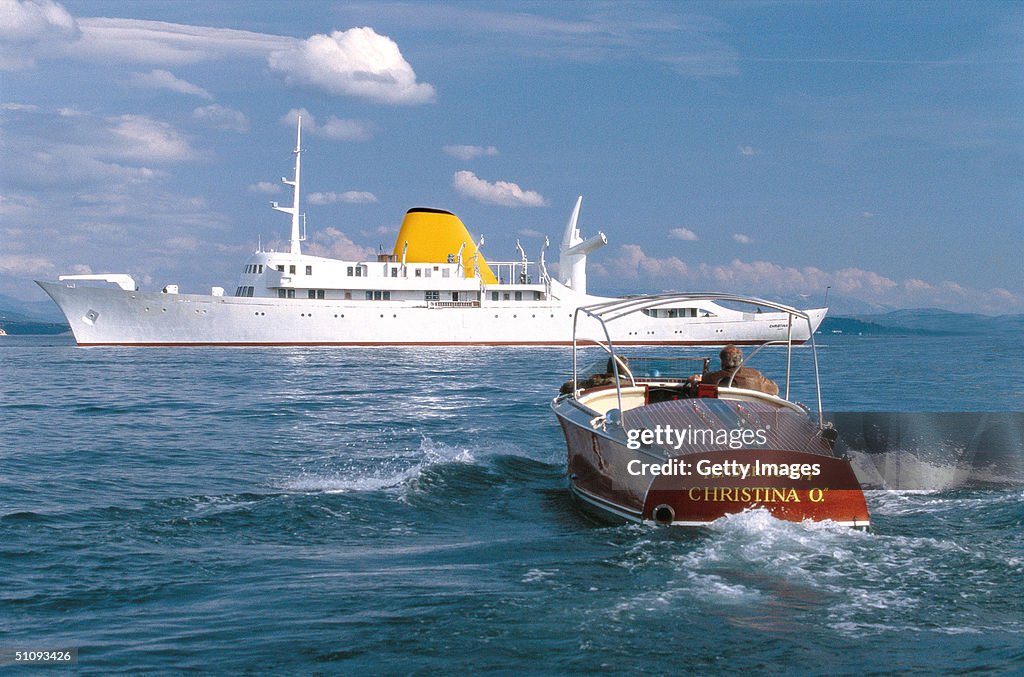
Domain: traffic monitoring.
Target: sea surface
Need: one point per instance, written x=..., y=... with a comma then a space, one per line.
x=389, y=510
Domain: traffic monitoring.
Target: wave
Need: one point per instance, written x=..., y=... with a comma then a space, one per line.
x=748, y=566
x=377, y=474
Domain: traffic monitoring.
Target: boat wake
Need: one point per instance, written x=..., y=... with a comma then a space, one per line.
x=759, y=572
x=412, y=469
x=378, y=474
x=937, y=469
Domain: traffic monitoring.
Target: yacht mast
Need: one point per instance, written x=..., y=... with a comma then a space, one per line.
x=296, y=237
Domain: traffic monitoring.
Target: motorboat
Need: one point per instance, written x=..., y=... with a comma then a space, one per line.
x=657, y=438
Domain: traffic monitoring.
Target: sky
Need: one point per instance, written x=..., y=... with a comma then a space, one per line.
x=780, y=149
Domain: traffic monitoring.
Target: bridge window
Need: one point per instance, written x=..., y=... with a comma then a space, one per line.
x=309, y=270
x=432, y=295
x=291, y=269
x=280, y=269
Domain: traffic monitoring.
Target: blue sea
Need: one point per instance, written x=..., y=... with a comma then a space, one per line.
x=361, y=510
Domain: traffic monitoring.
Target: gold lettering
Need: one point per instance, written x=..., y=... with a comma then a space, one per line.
x=752, y=494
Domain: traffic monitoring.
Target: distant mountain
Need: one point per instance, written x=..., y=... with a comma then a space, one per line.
x=849, y=325
x=31, y=317
x=44, y=311
x=926, y=321
x=29, y=327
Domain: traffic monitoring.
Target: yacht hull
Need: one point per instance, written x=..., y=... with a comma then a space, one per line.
x=114, y=316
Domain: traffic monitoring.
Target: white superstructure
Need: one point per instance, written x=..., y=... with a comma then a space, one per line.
x=435, y=288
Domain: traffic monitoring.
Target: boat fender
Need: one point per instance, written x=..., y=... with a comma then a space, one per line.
x=664, y=515
x=830, y=435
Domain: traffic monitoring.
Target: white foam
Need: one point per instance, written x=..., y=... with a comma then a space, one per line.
x=381, y=474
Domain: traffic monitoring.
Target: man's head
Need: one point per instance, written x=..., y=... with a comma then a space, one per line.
x=731, y=357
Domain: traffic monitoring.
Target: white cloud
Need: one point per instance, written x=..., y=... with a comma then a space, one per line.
x=336, y=244
x=467, y=153
x=161, y=79
x=18, y=107
x=160, y=42
x=182, y=244
x=632, y=263
x=749, y=150
x=336, y=129
x=16, y=206
x=351, y=196
x=502, y=193
x=530, y=232
x=25, y=264
x=683, y=234
x=31, y=26
x=265, y=187
x=357, y=62
x=688, y=44
x=222, y=117
x=742, y=239
x=764, y=278
x=915, y=285
x=143, y=138
x=345, y=130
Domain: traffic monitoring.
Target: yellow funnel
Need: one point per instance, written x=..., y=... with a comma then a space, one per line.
x=433, y=235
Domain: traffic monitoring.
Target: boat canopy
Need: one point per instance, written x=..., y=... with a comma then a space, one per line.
x=616, y=309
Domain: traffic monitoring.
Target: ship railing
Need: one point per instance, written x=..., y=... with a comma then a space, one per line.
x=609, y=311
x=516, y=272
x=453, y=304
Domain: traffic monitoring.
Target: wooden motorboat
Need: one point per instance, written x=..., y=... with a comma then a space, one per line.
x=650, y=439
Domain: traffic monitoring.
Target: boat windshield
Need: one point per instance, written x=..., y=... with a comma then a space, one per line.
x=671, y=369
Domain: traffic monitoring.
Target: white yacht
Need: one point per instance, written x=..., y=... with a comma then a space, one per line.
x=434, y=288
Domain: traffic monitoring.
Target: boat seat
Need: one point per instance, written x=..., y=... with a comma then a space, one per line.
x=668, y=392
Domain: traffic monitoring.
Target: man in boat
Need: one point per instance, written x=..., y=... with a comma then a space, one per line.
x=746, y=377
